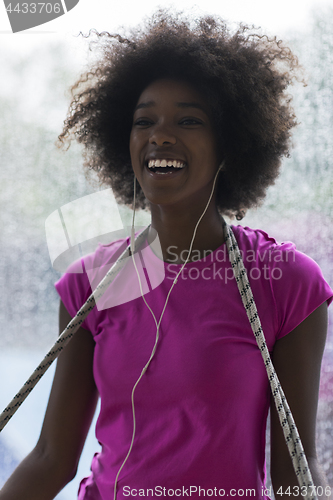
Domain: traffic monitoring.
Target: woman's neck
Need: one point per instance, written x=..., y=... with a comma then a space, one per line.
x=175, y=228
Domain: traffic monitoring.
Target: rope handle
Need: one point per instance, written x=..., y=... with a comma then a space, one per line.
x=289, y=428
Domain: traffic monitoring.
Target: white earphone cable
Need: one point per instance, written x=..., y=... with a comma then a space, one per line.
x=153, y=315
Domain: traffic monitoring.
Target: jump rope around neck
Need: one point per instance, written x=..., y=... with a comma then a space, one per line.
x=286, y=419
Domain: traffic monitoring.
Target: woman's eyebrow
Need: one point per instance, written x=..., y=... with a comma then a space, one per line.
x=191, y=105
x=149, y=104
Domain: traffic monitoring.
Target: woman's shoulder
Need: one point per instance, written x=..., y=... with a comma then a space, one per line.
x=258, y=240
x=103, y=255
x=82, y=276
x=295, y=280
x=289, y=271
x=259, y=247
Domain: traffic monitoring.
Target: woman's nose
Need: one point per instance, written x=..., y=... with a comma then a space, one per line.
x=162, y=135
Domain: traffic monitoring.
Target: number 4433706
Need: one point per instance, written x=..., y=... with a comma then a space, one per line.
x=34, y=8
x=305, y=490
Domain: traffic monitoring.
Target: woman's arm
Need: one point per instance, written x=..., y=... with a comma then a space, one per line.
x=297, y=360
x=72, y=403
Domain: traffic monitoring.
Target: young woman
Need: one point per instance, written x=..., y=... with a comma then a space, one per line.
x=200, y=117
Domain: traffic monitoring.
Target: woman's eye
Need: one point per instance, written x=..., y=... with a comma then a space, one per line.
x=141, y=122
x=190, y=121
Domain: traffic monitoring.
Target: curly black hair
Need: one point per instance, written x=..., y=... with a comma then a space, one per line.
x=242, y=74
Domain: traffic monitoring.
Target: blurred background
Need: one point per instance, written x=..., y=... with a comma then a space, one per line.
x=37, y=68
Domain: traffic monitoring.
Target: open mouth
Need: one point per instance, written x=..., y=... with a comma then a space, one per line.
x=165, y=166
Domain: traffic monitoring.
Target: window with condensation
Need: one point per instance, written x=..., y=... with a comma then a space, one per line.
x=36, y=179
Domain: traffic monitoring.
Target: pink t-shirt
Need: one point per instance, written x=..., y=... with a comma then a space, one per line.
x=202, y=405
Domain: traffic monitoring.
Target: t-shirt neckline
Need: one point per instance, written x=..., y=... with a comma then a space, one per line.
x=220, y=254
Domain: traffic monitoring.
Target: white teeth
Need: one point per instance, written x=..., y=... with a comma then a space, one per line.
x=165, y=163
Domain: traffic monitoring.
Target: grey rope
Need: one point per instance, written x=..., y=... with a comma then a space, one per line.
x=289, y=428
x=68, y=333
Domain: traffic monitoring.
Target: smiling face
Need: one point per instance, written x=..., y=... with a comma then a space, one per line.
x=172, y=125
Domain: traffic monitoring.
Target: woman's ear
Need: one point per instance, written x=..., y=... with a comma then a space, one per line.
x=241, y=214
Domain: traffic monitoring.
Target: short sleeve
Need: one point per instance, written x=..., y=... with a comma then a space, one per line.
x=74, y=289
x=298, y=287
